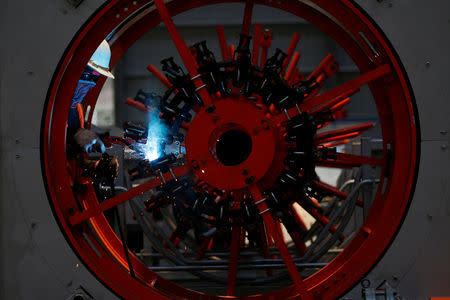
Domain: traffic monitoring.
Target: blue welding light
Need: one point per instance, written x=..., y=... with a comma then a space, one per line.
x=157, y=132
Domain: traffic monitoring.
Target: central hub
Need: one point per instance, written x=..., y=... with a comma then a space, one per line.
x=230, y=144
x=233, y=147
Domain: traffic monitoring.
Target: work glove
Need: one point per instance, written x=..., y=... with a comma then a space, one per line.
x=88, y=141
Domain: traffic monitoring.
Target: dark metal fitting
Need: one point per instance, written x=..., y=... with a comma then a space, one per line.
x=260, y=201
x=264, y=211
x=210, y=109
x=195, y=164
x=249, y=180
x=265, y=125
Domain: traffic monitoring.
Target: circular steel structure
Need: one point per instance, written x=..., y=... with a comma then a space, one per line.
x=80, y=213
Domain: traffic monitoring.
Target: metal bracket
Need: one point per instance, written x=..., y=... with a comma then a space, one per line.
x=80, y=294
x=384, y=290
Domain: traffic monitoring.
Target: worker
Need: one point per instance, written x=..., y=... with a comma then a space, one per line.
x=80, y=140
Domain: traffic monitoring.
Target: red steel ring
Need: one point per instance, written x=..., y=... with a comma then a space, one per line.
x=342, y=21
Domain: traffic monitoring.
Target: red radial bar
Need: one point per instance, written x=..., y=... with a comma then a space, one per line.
x=341, y=92
x=248, y=12
x=274, y=232
x=291, y=49
x=337, y=100
x=322, y=66
x=341, y=137
x=336, y=143
x=256, y=43
x=352, y=85
x=357, y=129
x=341, y=104
x=292, y=66
x=233, y=260
x=231, y=51
x=159, y=75
x=202, y=250
x=223, y=42
x=121, y=198
x=323, y=220
x=334, y=191
x=136, y=104
x=294, y=76
x=345, y=160
x=266, y=42
x=264, y=246
x=184, y=52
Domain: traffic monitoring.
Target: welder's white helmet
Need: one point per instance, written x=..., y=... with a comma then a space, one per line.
x=100, y=59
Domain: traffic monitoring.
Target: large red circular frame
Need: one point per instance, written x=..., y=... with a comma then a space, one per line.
x=342, y=21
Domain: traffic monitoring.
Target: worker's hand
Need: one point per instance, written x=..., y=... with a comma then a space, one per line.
x=89, y=141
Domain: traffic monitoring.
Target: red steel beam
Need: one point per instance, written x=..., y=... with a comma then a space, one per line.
x=247, y=21
x=325, y=137
x=292, y=66
x=184, y=52
x=352, y=85
x=274, y=232
x=223, y=42
x=345, y=160
x=121, y=198
x=291, y=49
x=256, y=43
x=233, y=260
x=334, y=191
x=159, y=75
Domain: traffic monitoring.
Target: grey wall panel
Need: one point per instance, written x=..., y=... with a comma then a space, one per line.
x=419, y=31
x=417, y=263
x=36, y=262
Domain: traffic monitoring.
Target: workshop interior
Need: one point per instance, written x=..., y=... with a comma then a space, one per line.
x=225, y=149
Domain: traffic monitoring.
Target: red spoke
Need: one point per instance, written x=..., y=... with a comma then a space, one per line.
x=248, y=12
x=296, y=238
x=139, y=105
x=184, y=51
x=332, y=190
x=266, y=42
x=336, y=143
x=204, y=246
x=232, y=51
x=293, y=78
x=159, y=75
x=223, y=43
x=121, y=198
x=323, y=221
x=264, y=246
x=292, y=66
x=337, y=100
x=256, y=43
x=274, y=232
x=322, y=66
x=234, y=257
x=175, y=236
x=340, y=137
x=352, y=85
x=335, y=108
x=291, y=49
x=348, y=132
x=345, y=160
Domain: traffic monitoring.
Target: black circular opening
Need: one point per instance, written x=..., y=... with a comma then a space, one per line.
x=233, y=147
